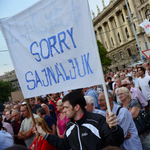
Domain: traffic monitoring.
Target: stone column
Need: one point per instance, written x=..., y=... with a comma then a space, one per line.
x=126, y=20
x=112, y=33
x=106, y=37
x=99, y=36
x=131, y=5
x=119, y=28
x=142, y=15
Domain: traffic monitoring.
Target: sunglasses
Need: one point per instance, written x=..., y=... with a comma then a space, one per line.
x=124, y=85
x=24, y=103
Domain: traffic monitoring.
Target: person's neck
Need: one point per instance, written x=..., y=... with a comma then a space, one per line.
x=126, y=102
x=33, y=105
x=78, y=115
x=142, y=76
x=28, y=116
x=19, y=119
x=134, y=77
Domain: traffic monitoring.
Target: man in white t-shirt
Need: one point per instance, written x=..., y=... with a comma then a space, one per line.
x=25, y=132
x=143, y=83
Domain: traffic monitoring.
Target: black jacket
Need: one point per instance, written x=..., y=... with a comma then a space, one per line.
x=91, y=132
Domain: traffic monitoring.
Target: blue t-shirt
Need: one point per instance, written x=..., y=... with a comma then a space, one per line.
x=53, y=114
x=49, y=120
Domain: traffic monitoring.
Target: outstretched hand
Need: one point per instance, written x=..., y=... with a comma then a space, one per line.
x=111, y=120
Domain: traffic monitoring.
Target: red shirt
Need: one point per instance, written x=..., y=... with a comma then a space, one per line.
x=41, y=144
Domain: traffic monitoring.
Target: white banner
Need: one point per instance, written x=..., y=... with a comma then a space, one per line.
x=146, y=25
x=52, y=46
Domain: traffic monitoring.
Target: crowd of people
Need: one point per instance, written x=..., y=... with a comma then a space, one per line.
x=79, y=119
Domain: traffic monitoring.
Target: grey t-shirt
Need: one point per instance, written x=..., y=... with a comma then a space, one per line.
x=25, y=126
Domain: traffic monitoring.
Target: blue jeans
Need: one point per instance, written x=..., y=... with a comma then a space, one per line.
x=146, y=143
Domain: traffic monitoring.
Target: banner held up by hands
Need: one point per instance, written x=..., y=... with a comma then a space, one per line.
x=52, y=47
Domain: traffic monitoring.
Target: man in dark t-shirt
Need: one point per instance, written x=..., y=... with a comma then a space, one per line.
x=34, y=106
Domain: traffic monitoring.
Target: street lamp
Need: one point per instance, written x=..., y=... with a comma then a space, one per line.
x=132, y=24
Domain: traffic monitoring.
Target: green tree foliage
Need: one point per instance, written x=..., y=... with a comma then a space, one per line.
x=106, y=61
x=5, y=90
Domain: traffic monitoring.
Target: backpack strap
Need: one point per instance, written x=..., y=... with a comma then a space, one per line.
x=118, y=111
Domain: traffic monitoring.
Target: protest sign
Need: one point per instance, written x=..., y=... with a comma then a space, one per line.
x=146, y=25
x=52, y=47
x=17, y=95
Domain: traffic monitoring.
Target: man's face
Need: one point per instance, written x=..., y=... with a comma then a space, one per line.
x=122, y=96
x=89, y=107
x=24, y=111
x=31, y=101
x=8, y=115
x=102, y=101
x=69, y=110
x=134, y=74
x=118, y=82
x=16, y=116
x=125, y=84
x=55, y=95
x=141, y=73
x=108, y=80
x=122, y=76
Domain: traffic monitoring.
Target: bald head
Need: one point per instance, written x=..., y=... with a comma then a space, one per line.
x=16, y=115
x=17, y=107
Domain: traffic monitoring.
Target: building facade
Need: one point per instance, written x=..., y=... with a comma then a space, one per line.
x=114, y=31
x=11, y=76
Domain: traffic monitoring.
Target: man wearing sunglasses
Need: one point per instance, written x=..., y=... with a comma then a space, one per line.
x=135, y=93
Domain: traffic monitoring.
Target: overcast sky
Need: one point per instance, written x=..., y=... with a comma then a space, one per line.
x=12, y=7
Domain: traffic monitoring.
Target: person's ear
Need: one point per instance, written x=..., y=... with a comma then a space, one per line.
x=77, y=107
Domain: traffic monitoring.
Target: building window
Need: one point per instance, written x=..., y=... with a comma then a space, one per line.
x=119, y=37
x=106, y=44
x=127, y=33
x=137, y=48
x=121, y=55
x=112, y=41
x=122, y=18
x=147, y=14
x=115, y=23
x=114, y=58
x=129, y=51
x=116, y=68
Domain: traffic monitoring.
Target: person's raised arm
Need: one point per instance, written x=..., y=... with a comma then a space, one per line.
x=59, y=143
